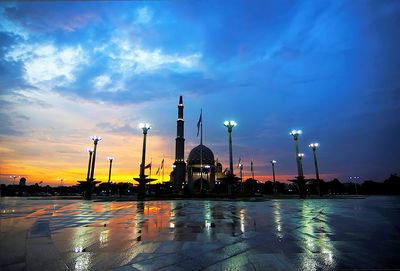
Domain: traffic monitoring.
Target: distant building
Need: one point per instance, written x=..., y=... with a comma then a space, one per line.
x=200, y=170
x=22, y=181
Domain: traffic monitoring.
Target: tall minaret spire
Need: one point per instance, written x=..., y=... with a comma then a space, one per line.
x=180, y=166
x=180, y=140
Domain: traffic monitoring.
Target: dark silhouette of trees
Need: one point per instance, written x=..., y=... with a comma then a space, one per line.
x=392, y=185
x=335, y=187
x=372, y=188
x=251, y=186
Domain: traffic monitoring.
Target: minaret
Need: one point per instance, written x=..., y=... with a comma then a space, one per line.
x=180, y=165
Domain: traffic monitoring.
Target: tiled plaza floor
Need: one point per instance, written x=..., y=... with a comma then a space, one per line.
x=324, y=234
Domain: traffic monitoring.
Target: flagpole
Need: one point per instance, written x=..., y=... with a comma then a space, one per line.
x=252, y=175
x=163, y=168
x=151, y=161
x=201, y=127
x=240, y=167
x=201, y=150
x=241, y=176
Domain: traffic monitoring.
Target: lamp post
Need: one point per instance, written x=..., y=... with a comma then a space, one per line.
x=273, y=162
x=13, y=177
x=230, y=124
x=90, y=181
x=241, y=176
x=111, y=159
x=201, y=171
x=314, y=147
x=96, y=140
x=300, y=156
x=142, y=177
x=145, y=128
x=90, y=151
x=207, y=167
x=355, y=183
x=61, y=184
x=295, y=134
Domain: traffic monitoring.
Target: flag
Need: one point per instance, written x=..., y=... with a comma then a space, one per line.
x=162, y=164
x=239, y=162
x=148, y=166
x=199, y=123
x=158, y=170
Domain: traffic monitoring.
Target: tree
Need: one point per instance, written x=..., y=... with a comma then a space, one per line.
x=392, y=185
x=335, y=187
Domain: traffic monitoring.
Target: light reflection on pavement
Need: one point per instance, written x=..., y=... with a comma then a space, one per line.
x=200, y=235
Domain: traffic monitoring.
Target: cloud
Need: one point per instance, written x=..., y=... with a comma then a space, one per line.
x=117, y=129
x=149, y=61
x=22, y=117
x=28, y=98
x=134, y=58
x=11, y=72
x=5, y=150
x=143, y=15
x=41, y=18
x=121, y=71
x=101, y=81
x=46, y=62
x=8, y=127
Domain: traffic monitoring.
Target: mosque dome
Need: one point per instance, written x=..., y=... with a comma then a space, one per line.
x=195, y=154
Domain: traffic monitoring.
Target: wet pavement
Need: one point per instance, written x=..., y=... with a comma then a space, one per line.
x=291, y=234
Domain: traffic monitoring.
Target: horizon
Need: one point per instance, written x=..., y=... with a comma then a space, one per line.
x=348, y=182
x=70, y=71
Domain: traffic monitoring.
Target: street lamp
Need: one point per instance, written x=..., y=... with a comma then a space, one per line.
x=207, y=167
x=230, y=124
x=273, y=162
x=92, y=161
x=61, y=184
x=14, y=177
x=109, y=175
x=145, y=128
x=355, y=182
x=300, y=156
x=314, y=147
x=295, y=134
x=142, y=177
x=241, y=176
x=96, y=140
x=90, y=151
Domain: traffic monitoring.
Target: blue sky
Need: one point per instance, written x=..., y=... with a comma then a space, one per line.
x=71, y=69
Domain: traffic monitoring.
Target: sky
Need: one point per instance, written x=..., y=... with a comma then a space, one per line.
x=70, y=70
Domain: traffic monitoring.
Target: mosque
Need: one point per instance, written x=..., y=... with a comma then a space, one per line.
x=200, y=171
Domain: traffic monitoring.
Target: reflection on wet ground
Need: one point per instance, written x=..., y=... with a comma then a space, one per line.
x=289, y=234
